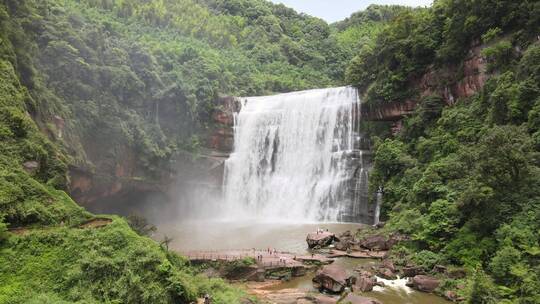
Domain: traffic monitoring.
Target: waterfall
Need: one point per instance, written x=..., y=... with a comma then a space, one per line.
x=294, y=157
x=379, y=200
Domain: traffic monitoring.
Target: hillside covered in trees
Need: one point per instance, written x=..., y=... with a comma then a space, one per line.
x=461, y=177
x=84, y=81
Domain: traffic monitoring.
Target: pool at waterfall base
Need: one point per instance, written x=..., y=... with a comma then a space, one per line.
x=283, y=236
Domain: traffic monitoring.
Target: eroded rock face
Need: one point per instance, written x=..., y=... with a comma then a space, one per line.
x=320, y=240
x=333, y=278
x=221, y=137
x=355, y=299
x=423, y=283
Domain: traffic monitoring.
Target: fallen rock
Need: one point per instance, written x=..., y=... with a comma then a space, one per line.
x=320, y=240
x=355, y=299
x=333, y=278
x=423, y=283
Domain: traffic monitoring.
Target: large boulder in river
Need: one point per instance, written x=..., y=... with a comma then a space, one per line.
x=333, y=278
x=320, y=239
x=423, y=283
x=355, y=299
x=365, y=282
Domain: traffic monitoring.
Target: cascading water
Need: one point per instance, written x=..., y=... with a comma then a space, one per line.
x=292, y=158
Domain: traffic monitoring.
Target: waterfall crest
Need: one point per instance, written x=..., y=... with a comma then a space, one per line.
x=292, y=158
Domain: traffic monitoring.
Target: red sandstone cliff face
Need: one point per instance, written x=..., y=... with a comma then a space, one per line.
x=113, y=176
x=451, y=82
x=221, y=137
x=458, y=81
x=118, y=171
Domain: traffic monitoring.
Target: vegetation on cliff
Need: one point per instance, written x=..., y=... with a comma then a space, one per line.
x=85, y=83
x=463, y=179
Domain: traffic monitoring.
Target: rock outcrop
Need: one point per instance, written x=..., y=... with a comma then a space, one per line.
x=411, y=271
x=320, y=239
x=365, y=282
x=423, y=283
x=333, y=278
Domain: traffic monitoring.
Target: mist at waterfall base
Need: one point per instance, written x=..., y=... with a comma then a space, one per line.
x=297, y=166
x=296, y=158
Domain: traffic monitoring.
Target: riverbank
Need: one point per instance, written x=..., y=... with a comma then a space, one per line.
x=275, y=278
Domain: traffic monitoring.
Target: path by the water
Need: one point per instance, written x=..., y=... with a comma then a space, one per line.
x=263, y=258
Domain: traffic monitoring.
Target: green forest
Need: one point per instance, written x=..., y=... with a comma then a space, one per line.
x=81, y=78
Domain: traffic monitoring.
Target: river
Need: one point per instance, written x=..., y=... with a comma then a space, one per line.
x=285, y=236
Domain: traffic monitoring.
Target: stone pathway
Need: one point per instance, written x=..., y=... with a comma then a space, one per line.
x=268, y=260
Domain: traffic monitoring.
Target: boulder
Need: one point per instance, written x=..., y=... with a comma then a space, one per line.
x=389, y=265
x=411, y=271
x=374, y=242
x=333, y=278
x=423, y=283
x=386, y=273
x=365, y=283
x=381, y=242
x=355, y=299
x=320, y=240
x=343, y=245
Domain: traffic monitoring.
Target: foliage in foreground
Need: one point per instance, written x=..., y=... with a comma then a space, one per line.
x=111, y=264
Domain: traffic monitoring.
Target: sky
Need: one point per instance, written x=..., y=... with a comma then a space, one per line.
x=335, y=10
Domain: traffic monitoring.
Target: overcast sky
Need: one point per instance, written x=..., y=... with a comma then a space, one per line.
x=335, y=10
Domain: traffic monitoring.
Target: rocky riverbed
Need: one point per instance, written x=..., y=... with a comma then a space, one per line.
x=297, y=274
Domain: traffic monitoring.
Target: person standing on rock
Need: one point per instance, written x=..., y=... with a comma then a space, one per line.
x=207, y=299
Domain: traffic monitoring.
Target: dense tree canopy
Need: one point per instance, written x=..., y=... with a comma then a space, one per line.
x=463, y=179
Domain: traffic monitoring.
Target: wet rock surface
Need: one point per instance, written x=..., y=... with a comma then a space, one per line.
x=333, y=278
x=320, y=239
x=365, y=282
